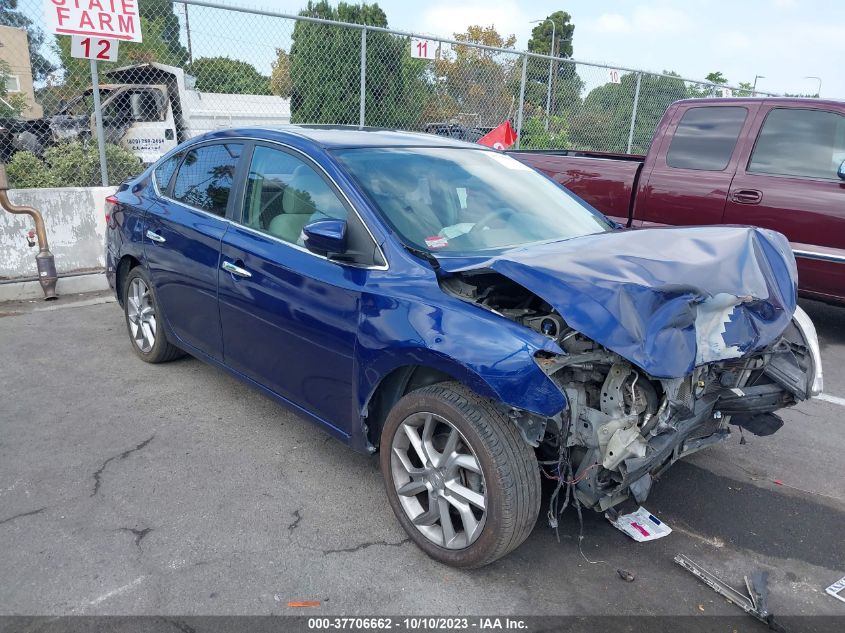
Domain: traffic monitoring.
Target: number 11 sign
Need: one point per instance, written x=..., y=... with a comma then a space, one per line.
x=423, y=49
x=99, y=48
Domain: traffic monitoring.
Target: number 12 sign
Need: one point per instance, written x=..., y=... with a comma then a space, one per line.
x=423, y=49
x=99, y=48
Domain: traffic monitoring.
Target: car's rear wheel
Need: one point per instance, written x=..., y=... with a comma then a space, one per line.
x=461, y=480
x=143, y=321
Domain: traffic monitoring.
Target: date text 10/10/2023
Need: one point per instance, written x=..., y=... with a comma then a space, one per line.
x=417, y=623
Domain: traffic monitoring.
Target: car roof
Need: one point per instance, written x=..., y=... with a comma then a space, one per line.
x=796, y=102
x=343, y=136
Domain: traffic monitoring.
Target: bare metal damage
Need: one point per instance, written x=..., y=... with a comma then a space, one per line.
x=623, y=427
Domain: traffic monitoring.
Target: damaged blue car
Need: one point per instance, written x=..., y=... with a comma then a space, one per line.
x=473, y=323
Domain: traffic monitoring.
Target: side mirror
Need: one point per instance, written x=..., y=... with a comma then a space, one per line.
x=325, y=237
x=841, y=171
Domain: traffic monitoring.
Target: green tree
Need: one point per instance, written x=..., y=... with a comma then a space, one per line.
x=746, y=89
x=11, y=16
x=698, y=91
x=566, y=85
x=170, y=49
x=541, y=35
x=325, y=72
x=280, y=81
x=475, y=82
x=229, y=76
x=603, y=123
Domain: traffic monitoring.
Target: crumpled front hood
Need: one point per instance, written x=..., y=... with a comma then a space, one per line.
x=666, y=299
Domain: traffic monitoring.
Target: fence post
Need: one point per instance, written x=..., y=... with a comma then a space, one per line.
x=98, y=121
x=521, y=102
x=634, y=112
x=362, y=111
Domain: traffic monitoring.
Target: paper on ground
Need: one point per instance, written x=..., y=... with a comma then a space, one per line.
x=837, y=589
x=642, y=525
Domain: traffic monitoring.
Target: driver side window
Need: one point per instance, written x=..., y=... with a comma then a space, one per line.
x=284, y=193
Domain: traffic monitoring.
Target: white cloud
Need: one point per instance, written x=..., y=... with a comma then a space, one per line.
x=446, y=18
x=651, y=19
x=612, y=23
x=732, y=41
x=643, y=19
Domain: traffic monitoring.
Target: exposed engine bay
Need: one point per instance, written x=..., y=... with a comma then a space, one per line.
x=623, y=427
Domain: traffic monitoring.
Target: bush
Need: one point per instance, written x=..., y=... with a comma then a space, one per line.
x=534, y=135
x=71, y=164
x=27, y=171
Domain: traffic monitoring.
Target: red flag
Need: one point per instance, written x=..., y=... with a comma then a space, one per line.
x=501, y=137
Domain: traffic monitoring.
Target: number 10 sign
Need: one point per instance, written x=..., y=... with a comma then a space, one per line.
x=423, y=49
x=99, y=48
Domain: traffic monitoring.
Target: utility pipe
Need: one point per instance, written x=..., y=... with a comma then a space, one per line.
x=45, y=261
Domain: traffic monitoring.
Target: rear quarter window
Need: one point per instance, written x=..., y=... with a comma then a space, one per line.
x=206, y=176
x=706, y=137
x=163, y=172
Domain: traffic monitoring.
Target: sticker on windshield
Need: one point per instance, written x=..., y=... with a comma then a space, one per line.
x=436, y=241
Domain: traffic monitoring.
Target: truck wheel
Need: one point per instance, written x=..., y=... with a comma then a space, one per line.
x=461, y=480
x=143, y=320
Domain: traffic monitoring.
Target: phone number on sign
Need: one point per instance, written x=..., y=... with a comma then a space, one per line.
x=415, y=624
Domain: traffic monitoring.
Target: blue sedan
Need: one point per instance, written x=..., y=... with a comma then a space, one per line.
x=449, y=308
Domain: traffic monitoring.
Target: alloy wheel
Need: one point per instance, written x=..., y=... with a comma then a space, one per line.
x=438, y=480
x=141, y=314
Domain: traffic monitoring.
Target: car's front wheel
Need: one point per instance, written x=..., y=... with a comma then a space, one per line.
x=461, y=480
x=143, y=319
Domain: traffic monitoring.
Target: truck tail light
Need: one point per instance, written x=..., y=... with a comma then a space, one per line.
x=111, y=203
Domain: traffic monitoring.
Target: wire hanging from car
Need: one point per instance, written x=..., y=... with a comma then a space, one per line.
x=566, y=479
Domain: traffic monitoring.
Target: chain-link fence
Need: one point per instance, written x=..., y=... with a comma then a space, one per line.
x=204, y=65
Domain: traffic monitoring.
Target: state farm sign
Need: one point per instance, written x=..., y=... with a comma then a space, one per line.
x=113, y=19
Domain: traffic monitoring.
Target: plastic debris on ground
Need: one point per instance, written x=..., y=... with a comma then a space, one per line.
x=641, y=525
x=837, y=589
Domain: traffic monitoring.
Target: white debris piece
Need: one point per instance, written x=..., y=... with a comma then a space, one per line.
x=837, y=589
x=710, y=320
x=641, y=525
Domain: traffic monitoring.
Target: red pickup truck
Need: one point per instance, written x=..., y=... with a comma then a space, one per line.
x=773, y=163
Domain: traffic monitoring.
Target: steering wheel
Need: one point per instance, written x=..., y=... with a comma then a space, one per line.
x=496, y=214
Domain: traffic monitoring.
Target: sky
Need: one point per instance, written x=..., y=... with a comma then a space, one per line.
x=783, y=40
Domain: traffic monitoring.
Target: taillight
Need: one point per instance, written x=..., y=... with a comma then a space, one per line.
x=111, y=203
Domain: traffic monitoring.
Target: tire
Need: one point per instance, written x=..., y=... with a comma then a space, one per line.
x=144, y=324
x=433, y=442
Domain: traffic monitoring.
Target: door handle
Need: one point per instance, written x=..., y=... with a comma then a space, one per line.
x=229, y=267
x=747, y=196
x=155, y=237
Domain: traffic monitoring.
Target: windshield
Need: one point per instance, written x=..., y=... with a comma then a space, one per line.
x=462, y=201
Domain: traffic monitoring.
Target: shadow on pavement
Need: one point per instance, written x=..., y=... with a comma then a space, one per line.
x=747, y=516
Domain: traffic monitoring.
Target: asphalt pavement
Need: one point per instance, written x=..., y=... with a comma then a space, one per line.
x=127, y=488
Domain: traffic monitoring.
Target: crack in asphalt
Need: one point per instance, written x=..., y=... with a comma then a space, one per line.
x=23, y=514
x=99, y=472
x=348, y=550
x=139, y=534
x=297, y=516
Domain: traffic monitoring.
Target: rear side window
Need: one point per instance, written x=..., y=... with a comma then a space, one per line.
x=165, y=170
x=803, y=143
x=205, y=177
x=706, y=137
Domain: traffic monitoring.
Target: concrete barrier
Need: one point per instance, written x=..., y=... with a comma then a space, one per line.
x=74, y=218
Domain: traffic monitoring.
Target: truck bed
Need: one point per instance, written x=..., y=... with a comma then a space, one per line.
x=605, y=180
